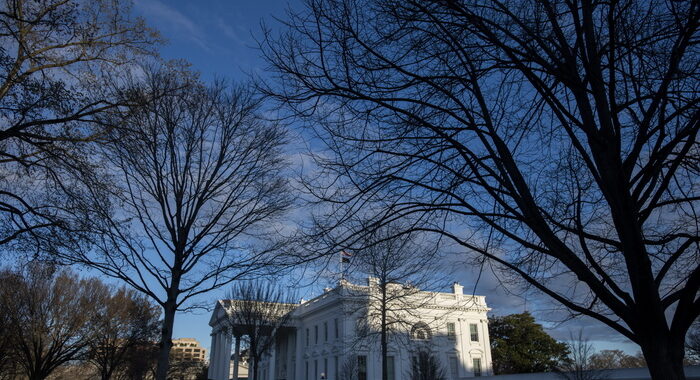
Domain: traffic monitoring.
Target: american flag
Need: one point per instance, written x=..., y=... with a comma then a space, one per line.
x=345, y=256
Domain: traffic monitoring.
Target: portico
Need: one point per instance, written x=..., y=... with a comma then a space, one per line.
x=227, y=336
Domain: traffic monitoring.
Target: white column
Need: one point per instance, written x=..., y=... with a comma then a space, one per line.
x=215, y=362
x=212, y=357
x=298, y=356
x=273, y=355
x=462, y=336
x=486, y=343
x=236, y=358
x=227, y=355
x=222, y=347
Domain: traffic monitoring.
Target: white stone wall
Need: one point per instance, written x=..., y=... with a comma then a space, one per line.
x=341, y=304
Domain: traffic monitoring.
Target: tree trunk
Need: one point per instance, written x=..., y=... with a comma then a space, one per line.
x=41, y=371
x=166, y=339
x=664, y=359
x=385, y=374
x=105, y=373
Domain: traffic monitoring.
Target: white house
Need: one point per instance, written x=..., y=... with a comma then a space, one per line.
x=335, y=332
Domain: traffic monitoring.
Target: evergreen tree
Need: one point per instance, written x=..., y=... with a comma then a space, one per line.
x=520, y=345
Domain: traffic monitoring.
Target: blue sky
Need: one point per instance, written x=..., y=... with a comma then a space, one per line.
x=218, y=38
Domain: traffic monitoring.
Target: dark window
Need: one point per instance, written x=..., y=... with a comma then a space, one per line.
x=307, y=337
x=325, y=331
x=477, y=366
x=361, y=367
x=390, y=368
x=451, y=330
x=335, y=321
x=336, y=368
x=316, y=334
x=307, y=367
x=454, y=368
x=474, y=332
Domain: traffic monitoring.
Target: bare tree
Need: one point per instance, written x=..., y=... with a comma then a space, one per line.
x=580, y=363
x=8, y=362
x=426, y=366
x=198, y=183
x=58, y=65
x=400, y=267
x=185, y=369
x=125, y=322
x=259, y=311
x=141, y=362
x=49, y=316
x=349, y=369
x=607, y=359
x=557, y=139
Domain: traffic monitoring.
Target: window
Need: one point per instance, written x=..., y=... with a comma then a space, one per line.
x=325, y=331
x=315, y=369
x=316, y=334
x=391, y=373
x=474, y=332
x=307, y=337
x=335, y=322
x=451, y=330
x=307, y=367
x=476, y=362
x=454, y=368
x=420, y=331
x=336, y=368
x=325, y=368
x=361, y=367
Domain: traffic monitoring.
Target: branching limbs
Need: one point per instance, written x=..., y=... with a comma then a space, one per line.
x=566, y=129
x=60, y=70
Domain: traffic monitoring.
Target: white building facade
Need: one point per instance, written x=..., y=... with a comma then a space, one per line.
x=336, y=334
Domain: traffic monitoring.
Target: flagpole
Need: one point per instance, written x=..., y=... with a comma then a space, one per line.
x=344, y=256
x=342, y=271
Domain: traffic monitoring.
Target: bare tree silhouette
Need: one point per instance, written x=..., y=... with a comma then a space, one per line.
x=49, y=316
x=198, y=186
x=558, y=140
x=125, y=324
x=59, y=70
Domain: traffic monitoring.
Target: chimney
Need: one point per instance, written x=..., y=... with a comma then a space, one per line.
x=372, y=281
x=457, y=288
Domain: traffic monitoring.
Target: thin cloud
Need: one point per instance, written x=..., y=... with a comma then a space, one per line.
x=171, y=18
x=228, y=31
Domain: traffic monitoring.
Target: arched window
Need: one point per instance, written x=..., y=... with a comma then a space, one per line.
x=421, y=331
